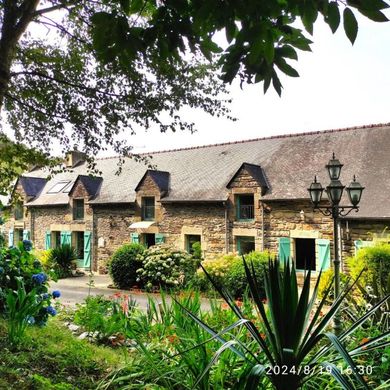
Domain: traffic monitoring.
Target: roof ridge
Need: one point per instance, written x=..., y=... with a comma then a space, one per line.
x=278, y=136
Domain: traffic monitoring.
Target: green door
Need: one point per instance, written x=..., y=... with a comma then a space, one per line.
x=26, y=234
x=87, y=249
x=284, y=249
x=48, y=240
x=323, y=247
x=66, y=238
x=11, y=238
x=159, y=238
x=134, y=238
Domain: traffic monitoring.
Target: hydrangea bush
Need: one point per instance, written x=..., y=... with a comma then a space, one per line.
x=163, y=266
x=20, y=270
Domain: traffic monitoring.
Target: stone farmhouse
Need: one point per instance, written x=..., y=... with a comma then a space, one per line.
x=233, y=197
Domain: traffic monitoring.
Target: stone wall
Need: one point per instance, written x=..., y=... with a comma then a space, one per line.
x=206, y=220
x=111, y=230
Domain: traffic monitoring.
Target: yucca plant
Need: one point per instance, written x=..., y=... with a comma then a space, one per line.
x=63, y=258
x=293, y=341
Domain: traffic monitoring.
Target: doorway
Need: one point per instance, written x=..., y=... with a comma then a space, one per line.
x=305, y=254
x=149, y=239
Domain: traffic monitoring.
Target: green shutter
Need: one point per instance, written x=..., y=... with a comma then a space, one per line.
x=134, y=238
x=323, y=253
x=66, y=238
x=26, y=234
x=284, y=249
x=87, y=249
x=359, y=244
x=11, y=238
x=48, y=240
x=159, y=238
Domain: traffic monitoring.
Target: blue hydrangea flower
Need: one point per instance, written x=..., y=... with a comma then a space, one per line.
x=39, y=278
x=45, y=296
x=56, y=294
x=51, y=310
x=27, y=245
x=30, y=320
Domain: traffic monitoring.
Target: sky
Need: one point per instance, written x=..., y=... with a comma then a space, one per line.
x=340, y=85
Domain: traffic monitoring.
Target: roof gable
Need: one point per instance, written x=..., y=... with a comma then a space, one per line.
x=91, y=184
x=257, y=174
x=32, y=186
x=160, y=178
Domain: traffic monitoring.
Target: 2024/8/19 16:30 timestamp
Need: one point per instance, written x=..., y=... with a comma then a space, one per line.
x=307, y=370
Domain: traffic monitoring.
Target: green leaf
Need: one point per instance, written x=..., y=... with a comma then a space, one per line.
x=287, y=51
x=135, y=6
x=333, y=17
x=269, y=49
x=350, y=25
x=334, y=371
x=375, y=15
x=309, y=16
x=125, y=4
x=286, y=68
x=231, y=31
x=373, y=5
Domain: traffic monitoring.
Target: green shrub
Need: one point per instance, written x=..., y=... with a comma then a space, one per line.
x=376, y=261
x=24, y=287
x=62, y=258
x=197, y=250
x=326, y=279
x=228, y=271
x=124, y=265
x=236, y=281
x=163, y=266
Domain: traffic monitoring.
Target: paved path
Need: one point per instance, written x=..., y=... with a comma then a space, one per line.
x=75, y=290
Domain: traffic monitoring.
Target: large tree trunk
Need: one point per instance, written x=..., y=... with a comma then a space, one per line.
x=16, y=17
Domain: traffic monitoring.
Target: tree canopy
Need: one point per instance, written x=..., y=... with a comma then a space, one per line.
x=110, y=65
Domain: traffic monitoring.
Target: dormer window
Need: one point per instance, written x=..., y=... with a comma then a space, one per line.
x=245, y=207
x=18, y=212
x=78, y=209
x=148, y=209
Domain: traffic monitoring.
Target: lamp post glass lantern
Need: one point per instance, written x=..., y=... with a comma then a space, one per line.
x=334, y=191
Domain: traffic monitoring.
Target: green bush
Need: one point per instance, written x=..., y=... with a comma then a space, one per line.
x=228, y=271
x=124, y=265
x=62, y=258
x=376, y=262
x=326, y=279
x=163, y=266
x=23, y=286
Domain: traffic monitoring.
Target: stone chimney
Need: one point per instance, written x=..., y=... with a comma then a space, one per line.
x=74, y=158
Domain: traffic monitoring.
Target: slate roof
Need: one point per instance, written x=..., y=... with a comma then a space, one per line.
x=32, y=186
x=289, y=163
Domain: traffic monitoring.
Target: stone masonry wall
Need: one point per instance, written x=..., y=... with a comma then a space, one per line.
x=111, y=230
x=206, y=220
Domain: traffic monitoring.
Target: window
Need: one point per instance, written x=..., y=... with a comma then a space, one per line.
x=191, y=239
x=78, y=209
x=18, y=237
x=148, y=209
x=245, y=209
x=58, y=187
x=18, y=211
x=79, y=244
x=149, y=239
x=55, y=239
x=245, y=244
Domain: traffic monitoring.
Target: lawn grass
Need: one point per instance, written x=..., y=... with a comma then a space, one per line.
x=52, y=358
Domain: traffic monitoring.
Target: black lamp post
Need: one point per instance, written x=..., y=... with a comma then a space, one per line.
x=335, y=191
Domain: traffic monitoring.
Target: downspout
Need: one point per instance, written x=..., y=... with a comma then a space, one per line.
x=226, y=228
x=262, y=226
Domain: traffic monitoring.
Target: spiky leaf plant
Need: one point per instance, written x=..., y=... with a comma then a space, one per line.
x=294, y=343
